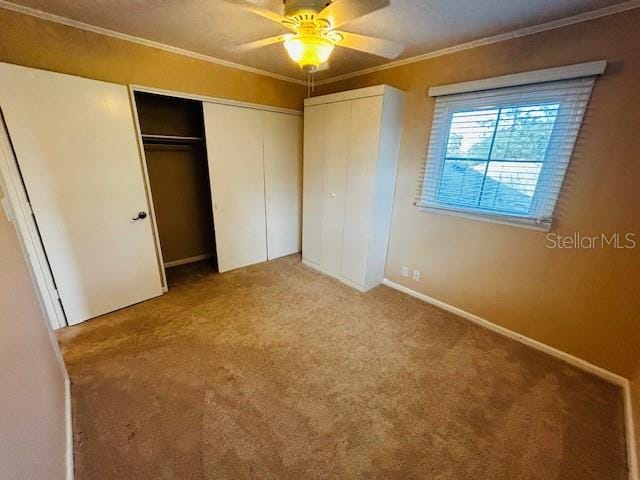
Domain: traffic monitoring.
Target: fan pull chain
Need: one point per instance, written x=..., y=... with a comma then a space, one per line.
x=310, y=84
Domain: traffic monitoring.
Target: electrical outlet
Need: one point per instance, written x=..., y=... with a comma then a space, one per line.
x=405, y=271
x=416, y=275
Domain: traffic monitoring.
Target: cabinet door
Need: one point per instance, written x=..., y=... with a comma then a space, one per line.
x=336, y=145
x=364, y=131
x=313, y=172
x=77, y=151
x=236, y=168
x=282, y=142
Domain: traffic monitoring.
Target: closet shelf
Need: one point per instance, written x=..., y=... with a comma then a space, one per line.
x=170, y=139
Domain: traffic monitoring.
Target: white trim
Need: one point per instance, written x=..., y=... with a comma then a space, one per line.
x=632, y=461
x=567, y=72
x=141, y=41
x=185, y=261
x=509, y=221
x=221, y=101
x=523, y=32
x=563, y=22
x=375, y=91
x=554, y=352
x=147, y=188
x=632, y=455
x=69, y=429
x=17, y=205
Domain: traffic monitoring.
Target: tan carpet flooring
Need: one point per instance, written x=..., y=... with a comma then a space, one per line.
x=278, y=372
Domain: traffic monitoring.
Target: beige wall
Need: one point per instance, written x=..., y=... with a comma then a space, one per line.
x=180, y=187
x=37, y=43
x=32, y=398
x=584, y=302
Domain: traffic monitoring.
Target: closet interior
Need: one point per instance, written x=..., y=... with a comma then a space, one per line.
x=173, y=137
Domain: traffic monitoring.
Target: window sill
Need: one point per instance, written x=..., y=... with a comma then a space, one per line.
x=520, y=222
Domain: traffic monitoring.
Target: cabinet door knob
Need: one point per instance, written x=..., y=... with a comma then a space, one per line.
x=332, y=195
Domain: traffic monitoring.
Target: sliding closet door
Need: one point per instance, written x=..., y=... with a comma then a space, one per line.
x=282, y=142
x=336, y=148
x=234, y=149
x=313, y=172
x=77, y=151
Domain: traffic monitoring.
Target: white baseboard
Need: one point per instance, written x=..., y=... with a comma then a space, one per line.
x=564, y=356
x=69, y=429
x=184, y=261
x=632, y=453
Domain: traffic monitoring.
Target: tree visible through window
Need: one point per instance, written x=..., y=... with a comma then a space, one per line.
x=503, y=153
x=494, y=157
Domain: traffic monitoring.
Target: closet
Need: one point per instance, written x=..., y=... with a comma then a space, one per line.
x=255, y=160
x=225, y=180
x=112, y=183
x=172, y=131
x=351, y=142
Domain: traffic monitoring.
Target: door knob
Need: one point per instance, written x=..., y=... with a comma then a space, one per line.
x=332, y=195
x=141, y=216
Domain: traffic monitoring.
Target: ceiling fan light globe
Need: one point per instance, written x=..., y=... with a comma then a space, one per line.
x=309, y=51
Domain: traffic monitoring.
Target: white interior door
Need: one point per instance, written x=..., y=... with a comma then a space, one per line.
x=236, y=168
x=336, y=155
x=282, y=143
x=77, y=151
x=313, y=172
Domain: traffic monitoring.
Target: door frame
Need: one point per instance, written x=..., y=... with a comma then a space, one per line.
x=133, y=88
x=17, y=208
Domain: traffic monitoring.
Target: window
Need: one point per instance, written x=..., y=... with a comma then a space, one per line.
x=503, y=153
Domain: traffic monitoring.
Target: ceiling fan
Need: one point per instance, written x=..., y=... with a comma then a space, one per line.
x=314, y=25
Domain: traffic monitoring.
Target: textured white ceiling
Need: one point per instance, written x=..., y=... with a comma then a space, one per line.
x=214, y=27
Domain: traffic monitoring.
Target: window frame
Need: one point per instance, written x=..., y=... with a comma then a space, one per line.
x=542, y=206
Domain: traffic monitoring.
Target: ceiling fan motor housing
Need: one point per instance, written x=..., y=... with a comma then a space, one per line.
x=293, y=8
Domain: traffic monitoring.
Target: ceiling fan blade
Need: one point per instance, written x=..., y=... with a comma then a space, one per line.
x=268, y=14
x=253, y=7
x=340, y=12
x=264, y=42
x=375, y=46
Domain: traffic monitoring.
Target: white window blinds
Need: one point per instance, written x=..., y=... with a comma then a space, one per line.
x=503, y=152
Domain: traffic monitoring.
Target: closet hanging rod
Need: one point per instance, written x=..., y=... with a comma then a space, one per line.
x=167, y=145
x=170, y=138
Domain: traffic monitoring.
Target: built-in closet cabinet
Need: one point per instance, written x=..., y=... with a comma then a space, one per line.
x=351, y=144
x=255, y=164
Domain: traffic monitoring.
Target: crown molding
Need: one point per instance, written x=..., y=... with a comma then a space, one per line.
x=582, y=17
x=523, y=32
x=141, y=41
